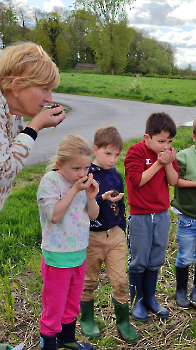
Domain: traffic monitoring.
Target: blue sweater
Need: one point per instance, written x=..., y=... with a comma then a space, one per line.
x=111, y=213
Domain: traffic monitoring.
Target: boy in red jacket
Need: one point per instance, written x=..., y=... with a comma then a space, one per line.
x=150, y=166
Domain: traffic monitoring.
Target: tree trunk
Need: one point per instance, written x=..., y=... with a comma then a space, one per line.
x=112, y=70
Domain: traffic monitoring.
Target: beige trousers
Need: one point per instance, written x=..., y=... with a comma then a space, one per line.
x=109, y=247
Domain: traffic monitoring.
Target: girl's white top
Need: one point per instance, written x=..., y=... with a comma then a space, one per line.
x=15, y=148
x=72, y=232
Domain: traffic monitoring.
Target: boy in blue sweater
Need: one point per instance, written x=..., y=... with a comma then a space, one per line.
x=107, y=241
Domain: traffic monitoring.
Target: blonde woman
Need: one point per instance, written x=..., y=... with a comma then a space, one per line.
x=27, y=75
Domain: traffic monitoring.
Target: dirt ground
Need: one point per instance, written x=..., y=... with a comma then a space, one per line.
x=173, y=333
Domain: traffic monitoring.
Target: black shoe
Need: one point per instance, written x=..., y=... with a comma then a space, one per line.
x=66, y=339
x=48, y=343
x=193, y=296
x=74, y=346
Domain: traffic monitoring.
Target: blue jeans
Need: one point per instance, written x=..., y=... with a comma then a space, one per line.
x=186, y=236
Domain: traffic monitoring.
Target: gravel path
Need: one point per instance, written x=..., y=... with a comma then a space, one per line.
x=89, y=113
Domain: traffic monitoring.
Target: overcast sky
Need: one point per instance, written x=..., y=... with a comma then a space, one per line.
x=173, y=21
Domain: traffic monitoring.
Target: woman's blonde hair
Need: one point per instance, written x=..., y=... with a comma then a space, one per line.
x=30, y=63
x=70, y=147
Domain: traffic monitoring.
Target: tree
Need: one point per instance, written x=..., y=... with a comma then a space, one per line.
x=106, y=11
x=19, y=18
x=154, y=59
x=111, y=47
x=62, y=51
x=48, y=33
x=147, y=55
x=169, y=50
x=134, y=55
x=110, y=17
x=76, y=35
x=9, y=28
x=187, y=71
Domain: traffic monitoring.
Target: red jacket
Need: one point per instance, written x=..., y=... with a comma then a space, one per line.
x=153, y=197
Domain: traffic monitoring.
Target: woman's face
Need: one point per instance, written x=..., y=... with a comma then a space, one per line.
x=30, y=101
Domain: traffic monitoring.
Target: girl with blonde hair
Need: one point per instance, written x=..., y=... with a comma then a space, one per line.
x=66, y=201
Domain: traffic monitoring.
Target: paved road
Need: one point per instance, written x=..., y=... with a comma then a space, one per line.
x=89, y=113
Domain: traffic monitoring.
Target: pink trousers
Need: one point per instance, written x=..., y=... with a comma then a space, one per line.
x=62, y=290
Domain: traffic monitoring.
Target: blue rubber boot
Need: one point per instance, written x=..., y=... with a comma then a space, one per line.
x=181, y=287
x=193, y=293
x=138, y=311
x=149, y=287
x=66, y=339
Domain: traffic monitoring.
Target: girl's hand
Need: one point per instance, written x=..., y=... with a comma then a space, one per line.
x=107, y=195
x=47, y=119
x=93, y=189
x=85, y=183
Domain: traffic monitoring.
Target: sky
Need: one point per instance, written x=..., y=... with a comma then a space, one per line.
x=173, y=21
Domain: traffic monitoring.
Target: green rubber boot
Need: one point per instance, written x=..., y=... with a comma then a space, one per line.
x=127, y=332
x=87, y=324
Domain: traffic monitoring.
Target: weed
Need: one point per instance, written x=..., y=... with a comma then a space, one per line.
x=148, y=98
x=168, y=101
x=7, y=301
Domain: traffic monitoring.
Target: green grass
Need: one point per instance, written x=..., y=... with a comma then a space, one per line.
x=178, y=92
x=21, y=285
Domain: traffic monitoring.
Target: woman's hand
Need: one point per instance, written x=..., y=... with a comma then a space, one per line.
x=47, y=119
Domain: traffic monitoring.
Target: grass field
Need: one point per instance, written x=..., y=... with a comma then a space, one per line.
x=21, y=285
x=178, y=92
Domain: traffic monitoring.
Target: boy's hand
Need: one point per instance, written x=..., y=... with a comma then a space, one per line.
x=107, y=195
x=166, y=156
x=173, y=155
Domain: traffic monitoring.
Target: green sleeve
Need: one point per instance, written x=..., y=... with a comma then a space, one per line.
x=181, y=160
